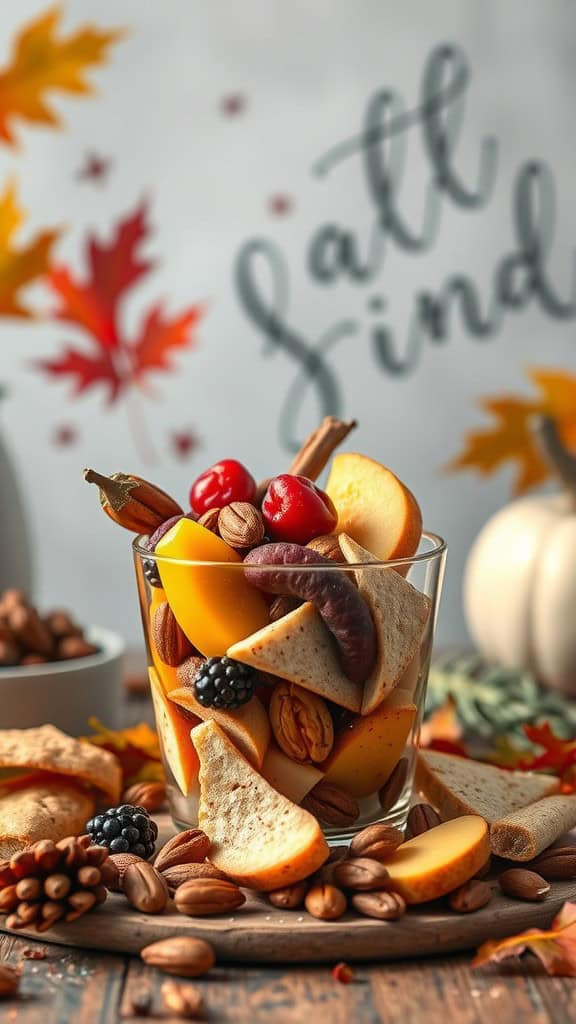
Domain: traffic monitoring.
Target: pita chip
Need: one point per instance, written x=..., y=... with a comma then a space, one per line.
x=400, y=614
x=46, y=748
x=48, y=809
x=298, y=647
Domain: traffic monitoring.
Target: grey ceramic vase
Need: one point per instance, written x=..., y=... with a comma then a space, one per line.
x=16, y=562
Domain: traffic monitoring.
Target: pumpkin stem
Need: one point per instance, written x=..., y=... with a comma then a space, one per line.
x=558, y=457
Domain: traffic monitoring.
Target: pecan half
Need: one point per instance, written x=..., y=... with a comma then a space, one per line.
x=331, y=805
x=328, y=545
x=301, y=723
x=392, y=789
x=556, y=864
x=171, y=643
x=181, y=873
x=377, y=842
x=421, y=818
x=203, y=896
x=290, y=897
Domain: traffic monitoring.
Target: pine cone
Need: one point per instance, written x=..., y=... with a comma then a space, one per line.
x=50, y=882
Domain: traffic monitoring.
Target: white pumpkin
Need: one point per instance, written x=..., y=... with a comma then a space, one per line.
x=520, y=589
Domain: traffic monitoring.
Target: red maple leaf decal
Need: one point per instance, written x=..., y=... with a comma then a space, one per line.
x=93, y=304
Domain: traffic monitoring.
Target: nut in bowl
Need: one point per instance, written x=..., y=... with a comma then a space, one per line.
x=53, y=670
x=288, y=630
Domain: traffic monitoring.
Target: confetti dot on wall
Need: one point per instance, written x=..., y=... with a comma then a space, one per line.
x=95, y=168
x=184, y=443
x=65, y=436
x=233, y=105
x=280, y=205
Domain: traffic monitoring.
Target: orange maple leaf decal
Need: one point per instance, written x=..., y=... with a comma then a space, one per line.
x=44, y=62
x=556, y=948
x=19, y=266
x=93, y=303
x=511, y=438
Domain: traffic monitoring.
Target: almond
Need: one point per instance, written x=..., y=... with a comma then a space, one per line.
x=200, y=897
x=182, y=1000
x=325, y=902
x=521, y=884
x=421, y=818
x=181, y=955
x=361, y=874
x=386, y=906
x=181, y=873
x=121, y=861
x=145, y=888
x=171, y=643
x=471, y=896
x=556, y=864
x=376, y=841
x=331, y=805
x=192, y=845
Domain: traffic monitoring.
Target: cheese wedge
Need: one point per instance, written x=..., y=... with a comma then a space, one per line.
x=258, y=837
x=299, y=648
x=457, y=785
x=400, y=614
x=288, y=777
x=438, y=861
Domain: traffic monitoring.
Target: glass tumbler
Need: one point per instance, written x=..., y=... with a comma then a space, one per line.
x=343, y=750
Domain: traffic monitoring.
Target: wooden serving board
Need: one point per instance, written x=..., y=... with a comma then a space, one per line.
x=259, y=933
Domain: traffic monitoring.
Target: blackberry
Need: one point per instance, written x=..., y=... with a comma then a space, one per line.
x=150, y=569
x=224, y=683
x=124, y=829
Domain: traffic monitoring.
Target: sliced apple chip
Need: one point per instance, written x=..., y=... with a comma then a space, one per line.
x=174, y=730
x=400, y=614
x=258, y=837
x=298, y=647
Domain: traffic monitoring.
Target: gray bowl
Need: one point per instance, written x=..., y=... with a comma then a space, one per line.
x=66, y=693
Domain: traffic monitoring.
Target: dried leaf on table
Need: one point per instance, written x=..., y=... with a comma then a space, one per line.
x=559, y=755
x=510, y=439
x=137, y=748
x=442, y=730
x=20, y=265
x=44, y=61
x=556, y=948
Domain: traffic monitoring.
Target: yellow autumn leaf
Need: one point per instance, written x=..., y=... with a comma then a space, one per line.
x=510, y=439
x=21, y=265
x=42, y=61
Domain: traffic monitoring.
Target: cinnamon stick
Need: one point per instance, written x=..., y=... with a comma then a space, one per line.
x=318, y=447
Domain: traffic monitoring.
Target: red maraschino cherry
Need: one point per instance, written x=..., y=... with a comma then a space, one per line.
x=224, y=482
x=295, y=510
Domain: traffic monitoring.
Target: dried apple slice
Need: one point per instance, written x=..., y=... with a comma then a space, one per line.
x=400, y=614
x=258, y=837
x=440, y=860
x=366, y=752
x=174, y=730
x=299, y=648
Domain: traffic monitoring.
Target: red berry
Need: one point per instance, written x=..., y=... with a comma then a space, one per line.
x=294, y=509
x=224, y=482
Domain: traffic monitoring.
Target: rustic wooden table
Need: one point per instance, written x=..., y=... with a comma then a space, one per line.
x=71, y=986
